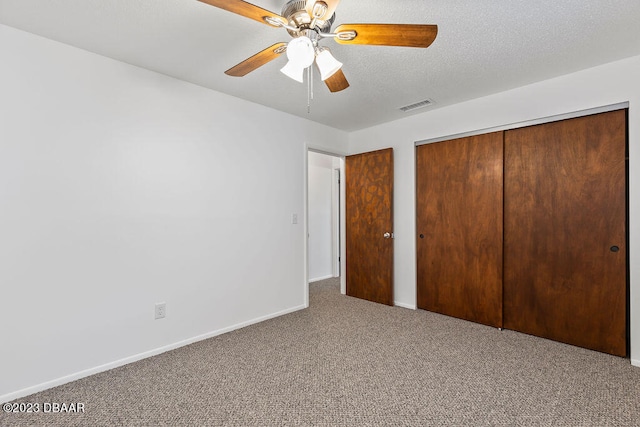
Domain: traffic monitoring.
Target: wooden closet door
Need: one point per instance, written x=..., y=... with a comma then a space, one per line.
x=459, y=225
x=565, y=214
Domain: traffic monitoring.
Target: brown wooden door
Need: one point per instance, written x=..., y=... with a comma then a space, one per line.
x=459, y=225
x=369, y=215
x=565, y=211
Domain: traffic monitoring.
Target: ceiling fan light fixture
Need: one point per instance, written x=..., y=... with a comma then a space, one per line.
x=301, y=54
x=327, y=64
x=300, y=51
x=292, y=71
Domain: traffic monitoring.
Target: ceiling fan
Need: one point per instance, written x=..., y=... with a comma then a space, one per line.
x=310, y=21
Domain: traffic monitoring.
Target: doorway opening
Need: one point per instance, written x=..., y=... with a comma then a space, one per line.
x=325, y=217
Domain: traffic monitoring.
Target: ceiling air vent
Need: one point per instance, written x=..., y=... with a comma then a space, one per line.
x=417, y=105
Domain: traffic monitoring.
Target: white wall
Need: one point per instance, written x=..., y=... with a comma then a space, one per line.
x=320, y=216
x=608, y=84
x=120, y=188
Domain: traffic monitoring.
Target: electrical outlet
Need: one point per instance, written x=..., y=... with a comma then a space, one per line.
x=161, y=310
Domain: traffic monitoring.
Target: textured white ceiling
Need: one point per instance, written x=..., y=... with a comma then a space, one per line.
x=483, y=47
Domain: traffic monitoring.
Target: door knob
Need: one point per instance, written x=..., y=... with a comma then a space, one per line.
x=387, y=235
x=614, y=249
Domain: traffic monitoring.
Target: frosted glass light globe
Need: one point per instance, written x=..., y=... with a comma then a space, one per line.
x=301, y=55
x=327, y=64
x=300, y=52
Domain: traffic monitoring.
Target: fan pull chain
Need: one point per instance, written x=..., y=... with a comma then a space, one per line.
x=309, y=89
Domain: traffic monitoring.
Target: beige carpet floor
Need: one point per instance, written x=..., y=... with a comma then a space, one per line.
x=348, y=362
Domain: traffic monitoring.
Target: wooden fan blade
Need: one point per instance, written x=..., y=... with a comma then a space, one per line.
x=245, y=9
x=257, y=60
x=331, y=8
x=337, y=82
x=409, y=35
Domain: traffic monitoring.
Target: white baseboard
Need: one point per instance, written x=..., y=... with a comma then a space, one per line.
x=635, y=362
x=317, y=279
x=115, y=364
x=403, y=305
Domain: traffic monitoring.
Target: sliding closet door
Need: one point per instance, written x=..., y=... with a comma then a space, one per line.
x=459, y=225
x=565, y=249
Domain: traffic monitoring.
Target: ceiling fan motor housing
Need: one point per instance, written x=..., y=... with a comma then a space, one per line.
x=297, y=15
